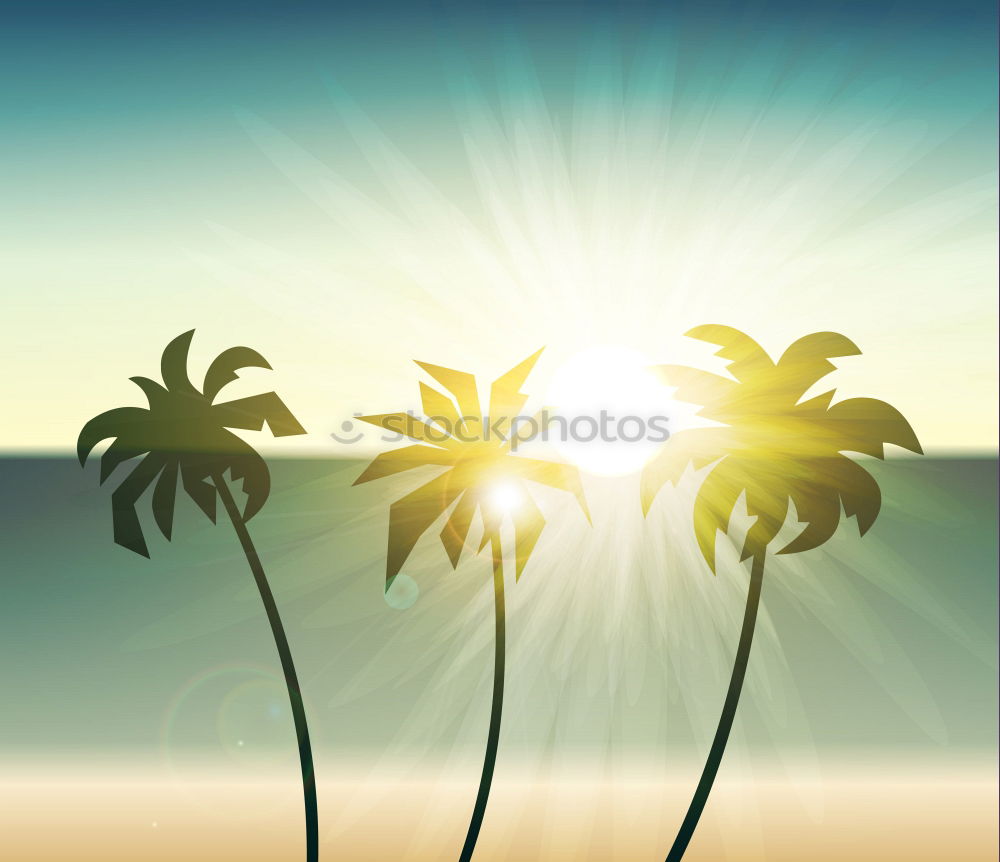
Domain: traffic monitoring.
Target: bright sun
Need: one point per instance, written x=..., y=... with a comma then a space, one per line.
x=616, y=409
x=505, y=496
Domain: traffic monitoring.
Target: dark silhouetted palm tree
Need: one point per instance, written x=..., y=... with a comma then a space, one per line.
x=771, y=448
x=482, y=476
x=184, y=434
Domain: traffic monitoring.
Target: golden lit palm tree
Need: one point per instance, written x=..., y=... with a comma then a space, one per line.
x=772, y=449
x=184, y=433
x=483, y=476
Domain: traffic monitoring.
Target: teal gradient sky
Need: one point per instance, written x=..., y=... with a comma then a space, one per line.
x=347, y=192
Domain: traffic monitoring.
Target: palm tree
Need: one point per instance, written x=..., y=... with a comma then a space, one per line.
x=184, y=433
x=771, y=448
x=483, y=475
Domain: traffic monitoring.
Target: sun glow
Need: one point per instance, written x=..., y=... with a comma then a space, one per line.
x=505, y=496
x=613, y=413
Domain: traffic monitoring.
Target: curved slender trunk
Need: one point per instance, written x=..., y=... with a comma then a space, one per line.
x=726, y=719
x=287, y=665
x=493, y=739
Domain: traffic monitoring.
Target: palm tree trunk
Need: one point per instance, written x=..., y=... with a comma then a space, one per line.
x=726, y=719
x=287, y=665
x=493, y=738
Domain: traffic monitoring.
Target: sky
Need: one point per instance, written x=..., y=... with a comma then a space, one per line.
x=347, y=191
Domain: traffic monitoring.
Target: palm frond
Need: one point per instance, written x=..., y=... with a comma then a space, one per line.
x=697, y=447
x=455, y=534
x=747, y=358
x=461, y=384
x=817, y=405
x=252, y=469
x=807, y=360
x=125, y=520
x=225, y=366
x=528, y=526
x=555, y=474
x=695, y=386
x=439, y=409
x=817, y=347
x=768, y=504
x=853, y=484
x=252, y=412
x=816, y=505
x=492, y=521
x=506, y=399
x=713, y=508
x=156, y=396
x=859, y=493
x=411, y=516
x=409, y=426
x=865, y=424
x=408, y=458
x=164, y=498
x=194, y=478
x=123, y=449
x=173, y=364
x=119, y=422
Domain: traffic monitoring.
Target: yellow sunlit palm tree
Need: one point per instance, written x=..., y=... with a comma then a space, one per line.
x=772, y=449
x=184, y=433
x=483, y=476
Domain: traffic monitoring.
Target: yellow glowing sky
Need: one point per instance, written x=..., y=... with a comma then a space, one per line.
x=615, y=229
